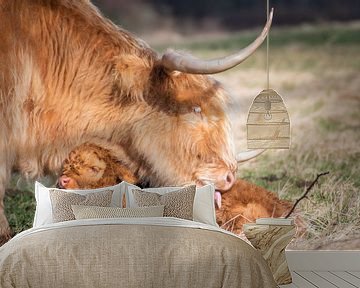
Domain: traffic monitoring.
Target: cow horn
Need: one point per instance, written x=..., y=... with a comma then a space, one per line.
x=247, y=155
x=177, y=61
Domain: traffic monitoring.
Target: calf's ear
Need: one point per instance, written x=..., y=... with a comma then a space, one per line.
x=132, y=74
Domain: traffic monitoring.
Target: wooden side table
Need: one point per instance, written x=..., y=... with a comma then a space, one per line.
x=271, y=236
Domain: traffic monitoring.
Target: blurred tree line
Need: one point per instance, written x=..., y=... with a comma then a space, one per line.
x=148, y=15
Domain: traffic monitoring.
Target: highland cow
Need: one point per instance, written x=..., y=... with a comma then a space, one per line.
x=70, y=76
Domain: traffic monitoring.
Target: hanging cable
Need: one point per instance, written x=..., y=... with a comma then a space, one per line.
x=267, y=103
x=267, y=48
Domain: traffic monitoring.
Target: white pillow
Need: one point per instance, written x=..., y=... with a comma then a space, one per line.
x=203, y=209
x=43, y=212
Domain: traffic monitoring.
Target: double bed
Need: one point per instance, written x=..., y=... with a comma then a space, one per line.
x=131, y=252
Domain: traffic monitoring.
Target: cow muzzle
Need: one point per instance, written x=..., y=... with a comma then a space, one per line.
x=65, y=182
x=225, y=182
x=222, y=182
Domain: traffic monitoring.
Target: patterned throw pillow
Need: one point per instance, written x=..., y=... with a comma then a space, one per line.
x=91, y=212
x=203, y=210
x=61, y=202
x=178, y=203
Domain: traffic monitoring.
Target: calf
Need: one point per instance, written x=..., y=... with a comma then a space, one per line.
x=92, y=166
x=246, y=202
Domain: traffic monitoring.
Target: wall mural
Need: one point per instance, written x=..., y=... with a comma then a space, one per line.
x=120, y=132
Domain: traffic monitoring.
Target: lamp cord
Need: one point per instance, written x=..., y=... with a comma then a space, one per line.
x=267, y=103
x=267, y=48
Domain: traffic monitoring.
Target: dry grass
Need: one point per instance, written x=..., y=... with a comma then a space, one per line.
x=320, y=86
x=320, y=83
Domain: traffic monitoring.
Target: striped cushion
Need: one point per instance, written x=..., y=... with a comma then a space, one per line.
x=91, y=212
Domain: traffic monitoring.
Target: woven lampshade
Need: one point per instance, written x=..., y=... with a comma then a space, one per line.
x=268, y=123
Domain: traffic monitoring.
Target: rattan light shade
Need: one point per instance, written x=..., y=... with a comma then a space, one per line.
x=268, y=123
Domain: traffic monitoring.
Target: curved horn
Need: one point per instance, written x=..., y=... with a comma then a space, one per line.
x=174, y=60
x=247, y=155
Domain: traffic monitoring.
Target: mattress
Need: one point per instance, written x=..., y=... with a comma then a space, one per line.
x=137, y=252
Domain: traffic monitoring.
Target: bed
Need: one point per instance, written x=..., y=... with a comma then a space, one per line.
x=131, y=252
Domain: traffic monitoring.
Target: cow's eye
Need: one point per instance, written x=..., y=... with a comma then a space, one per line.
x=197, y=109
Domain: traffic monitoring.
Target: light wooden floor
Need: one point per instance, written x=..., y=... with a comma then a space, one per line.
x=324, y=269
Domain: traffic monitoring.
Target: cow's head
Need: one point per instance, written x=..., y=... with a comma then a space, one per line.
x=176, y=115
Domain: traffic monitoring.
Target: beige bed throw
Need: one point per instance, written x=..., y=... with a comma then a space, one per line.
x=115, y=254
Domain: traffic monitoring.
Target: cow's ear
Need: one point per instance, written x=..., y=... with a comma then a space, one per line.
x=132, y=74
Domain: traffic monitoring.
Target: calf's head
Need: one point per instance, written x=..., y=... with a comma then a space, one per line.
x=92, y=166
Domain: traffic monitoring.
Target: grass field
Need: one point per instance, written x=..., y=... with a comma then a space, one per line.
x=317, y=71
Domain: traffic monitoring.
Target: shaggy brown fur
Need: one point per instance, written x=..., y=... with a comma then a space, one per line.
x=245, y=202
x=91, y=166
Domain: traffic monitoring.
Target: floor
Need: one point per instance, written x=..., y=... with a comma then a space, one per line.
x=324, y=269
